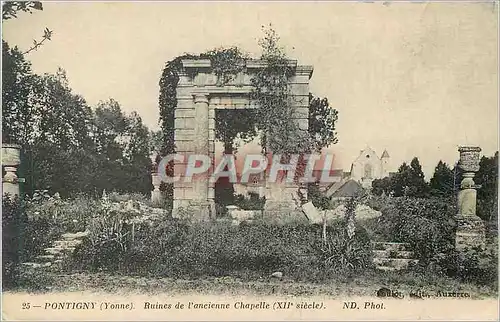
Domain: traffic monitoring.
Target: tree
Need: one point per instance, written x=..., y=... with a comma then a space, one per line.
x=442, y=182
x=18, y=84
x=322, y=120
x=10, y=9
x=123, y=147
x=487, y=195
x=382, y=186
x=408, y=181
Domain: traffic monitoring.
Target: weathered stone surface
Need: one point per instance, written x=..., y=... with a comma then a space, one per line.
x=467, y=202
x=470, y=230
x=71, y=236
x=199, y=93
x=314, y=215
x=240, y=215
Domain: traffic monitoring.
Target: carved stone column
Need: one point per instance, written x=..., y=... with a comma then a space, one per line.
x=200, y=206
x=470, y=230
x=11, y=159
x=157, y=198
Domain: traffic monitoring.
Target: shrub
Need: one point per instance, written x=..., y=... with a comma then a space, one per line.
x=252, y=202
x=341, y=254
x=13, y=224
x=475, y=265
x=109, y=238
x=177, y=249
x=317, y=197
x=426, y=224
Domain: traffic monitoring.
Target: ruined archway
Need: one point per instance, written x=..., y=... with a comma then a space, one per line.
x=199, y=94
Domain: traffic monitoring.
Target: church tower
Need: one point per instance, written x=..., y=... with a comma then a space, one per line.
x=384, y=160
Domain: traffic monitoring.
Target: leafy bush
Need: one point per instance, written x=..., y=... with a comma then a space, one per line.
x=110, y=234
x=317, y=197
x=426, y=224
x=13, y=225
x=341, y=254
x=252, y=202
x=475, y=265
x=176, y=249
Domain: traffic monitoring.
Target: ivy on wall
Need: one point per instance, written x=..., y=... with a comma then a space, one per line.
x=274, y=116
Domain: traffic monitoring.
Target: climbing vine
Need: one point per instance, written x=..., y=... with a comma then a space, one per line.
x=272, y=94
x=274, y=116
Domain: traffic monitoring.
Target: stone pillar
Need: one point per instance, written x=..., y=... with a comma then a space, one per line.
x=470, y=231
x=200, y=207
x=11, y=159
x=157, y=198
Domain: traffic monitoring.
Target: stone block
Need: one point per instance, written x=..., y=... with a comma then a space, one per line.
x=184, y=146
x=194, y=211
x=185, y=103
x=314, y=215
x=184, y=134
x=299, y=100
x=303, y=124
x=185, y=113
x=299, y=88
x=185, y=91
x=179, y=193
x=211, y=124
x=284, y=217
x=301, y=113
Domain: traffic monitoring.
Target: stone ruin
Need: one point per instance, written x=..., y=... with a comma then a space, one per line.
x=11, y=159
x=470, y=230
x=199, y=95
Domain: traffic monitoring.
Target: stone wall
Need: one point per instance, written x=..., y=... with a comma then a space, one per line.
x=199, y=94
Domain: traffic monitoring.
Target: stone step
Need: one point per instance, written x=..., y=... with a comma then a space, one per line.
x=391, y=246
x=38, y=265
x=59, y=250
x=392, y=254
x=386, y=268
x=66, y=243
x=49, y=257
x=73, y=236
x=398, y=263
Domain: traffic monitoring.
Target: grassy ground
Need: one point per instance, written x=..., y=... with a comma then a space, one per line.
x=366, y=285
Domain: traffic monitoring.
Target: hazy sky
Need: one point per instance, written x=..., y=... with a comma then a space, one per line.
x=415, y=79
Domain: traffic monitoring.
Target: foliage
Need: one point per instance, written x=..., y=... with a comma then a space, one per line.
x=13, y=225
x=317, y=197
x=382, y=186
x=173, y=248
x=110, y=236
x=63, y=141
x=253, y=202
x=426, y=224
x=442, y=182
x=272, y=94
x=18, y=87
x=322, y=120
x=10, y=9
x=343, y=253
x=487, y=195
x=408, y=181
x=475, y=265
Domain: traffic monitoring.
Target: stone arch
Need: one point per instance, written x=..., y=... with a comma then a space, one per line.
x=199, y=94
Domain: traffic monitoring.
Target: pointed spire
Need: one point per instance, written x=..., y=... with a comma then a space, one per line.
x=385, y=154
